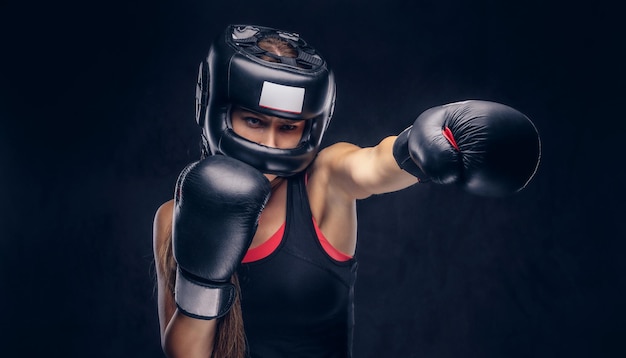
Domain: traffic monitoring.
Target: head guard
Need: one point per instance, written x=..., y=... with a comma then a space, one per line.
x=234, y=74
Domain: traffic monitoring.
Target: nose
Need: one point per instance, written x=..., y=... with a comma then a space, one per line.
x=269, y=139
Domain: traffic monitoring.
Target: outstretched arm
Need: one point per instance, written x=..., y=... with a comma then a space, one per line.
x=485, y=147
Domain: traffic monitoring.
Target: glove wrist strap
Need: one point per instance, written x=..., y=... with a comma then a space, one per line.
x=403, y=157
x=202, y=300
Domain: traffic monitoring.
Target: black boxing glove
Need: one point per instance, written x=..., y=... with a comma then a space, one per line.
x=488, y=148
x=218, y=202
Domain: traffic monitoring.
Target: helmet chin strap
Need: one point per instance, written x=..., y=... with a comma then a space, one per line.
x=204, y=147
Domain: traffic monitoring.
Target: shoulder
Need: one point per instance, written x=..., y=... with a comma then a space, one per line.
x=329, y=176
x=332, y=158
x=335, y=152
x=335, y=168
x=329, y=161
x=163, y=215
x=162, y=225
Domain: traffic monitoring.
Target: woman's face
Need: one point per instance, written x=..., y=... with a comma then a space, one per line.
x=267, y=130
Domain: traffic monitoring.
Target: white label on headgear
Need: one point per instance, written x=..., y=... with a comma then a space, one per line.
x=282, y=98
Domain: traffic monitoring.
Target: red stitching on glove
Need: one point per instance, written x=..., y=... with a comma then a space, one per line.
x=448, y=134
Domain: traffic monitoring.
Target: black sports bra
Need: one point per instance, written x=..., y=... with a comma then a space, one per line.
x=297, y=291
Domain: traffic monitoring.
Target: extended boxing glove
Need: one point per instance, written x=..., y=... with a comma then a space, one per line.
x=218, y=202
x=488, y=148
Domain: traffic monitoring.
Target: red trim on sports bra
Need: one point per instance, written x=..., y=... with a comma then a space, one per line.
x=330, y=250
x=266, y=248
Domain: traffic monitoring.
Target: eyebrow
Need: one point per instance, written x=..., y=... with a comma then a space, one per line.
x=268, y=117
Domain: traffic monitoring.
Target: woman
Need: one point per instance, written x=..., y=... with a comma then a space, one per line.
x=265, y=100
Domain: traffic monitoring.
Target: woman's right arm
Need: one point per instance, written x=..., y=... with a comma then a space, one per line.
x=181, y=335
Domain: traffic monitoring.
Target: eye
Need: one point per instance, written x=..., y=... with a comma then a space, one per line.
x=288, y=127
x=254, y=122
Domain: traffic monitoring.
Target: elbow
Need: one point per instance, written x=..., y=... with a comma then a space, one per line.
x=188, y=338
x=174, y=347
x=167, y=345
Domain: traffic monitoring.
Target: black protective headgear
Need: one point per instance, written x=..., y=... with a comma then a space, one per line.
x=300, y=88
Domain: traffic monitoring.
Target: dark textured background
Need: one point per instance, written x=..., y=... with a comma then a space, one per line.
x=97, y=119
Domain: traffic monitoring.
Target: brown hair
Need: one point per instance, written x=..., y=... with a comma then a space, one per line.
x=277, y=46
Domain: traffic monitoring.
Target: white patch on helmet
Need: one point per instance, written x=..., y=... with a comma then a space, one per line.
x=281, y=97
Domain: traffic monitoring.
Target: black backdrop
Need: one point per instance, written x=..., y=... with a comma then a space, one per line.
x=97, y=119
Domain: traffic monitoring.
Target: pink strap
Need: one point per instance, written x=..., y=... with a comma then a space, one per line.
x=330, y=250
x=266, y=248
